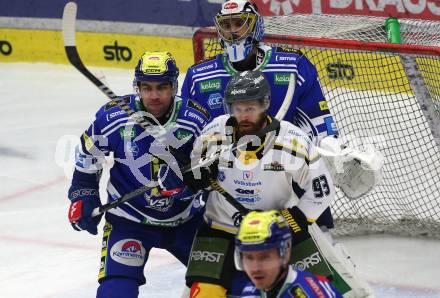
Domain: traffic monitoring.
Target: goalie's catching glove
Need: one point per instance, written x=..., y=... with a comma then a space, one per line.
x=298, y=224
x=355, y=171
x=83, y=201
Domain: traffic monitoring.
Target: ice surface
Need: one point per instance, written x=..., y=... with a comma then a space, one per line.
x=41, y=256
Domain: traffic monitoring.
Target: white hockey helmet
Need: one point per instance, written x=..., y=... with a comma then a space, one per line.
x=240, y=27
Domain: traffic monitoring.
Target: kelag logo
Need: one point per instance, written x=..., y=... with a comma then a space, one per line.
x=340, y=71
x=116, y=52
x=5, y=47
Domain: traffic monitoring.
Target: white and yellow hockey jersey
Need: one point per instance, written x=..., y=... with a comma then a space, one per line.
x=278, y=171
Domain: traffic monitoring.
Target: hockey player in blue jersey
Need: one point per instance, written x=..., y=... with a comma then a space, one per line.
x=241, y=30
x=161, y=218
x=262, y=250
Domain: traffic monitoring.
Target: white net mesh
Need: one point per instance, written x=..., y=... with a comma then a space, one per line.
x=368, y=29
x=371, y=97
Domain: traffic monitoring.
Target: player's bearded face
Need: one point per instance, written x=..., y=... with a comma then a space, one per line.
x=156, y=97
x=250, y=116
x=262, y=267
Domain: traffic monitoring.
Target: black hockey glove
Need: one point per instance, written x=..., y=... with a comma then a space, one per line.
x=298, y=224
x=199, y=178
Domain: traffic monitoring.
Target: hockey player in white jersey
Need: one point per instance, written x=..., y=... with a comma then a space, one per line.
x=279, y=170
x=241, y=30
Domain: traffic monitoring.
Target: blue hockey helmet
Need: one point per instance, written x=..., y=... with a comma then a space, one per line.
x=157, y=67
x=240, y=27
x=261, y=231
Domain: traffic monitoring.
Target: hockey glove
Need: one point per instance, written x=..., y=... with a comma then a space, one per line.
x=201, y=179
x=298, y=224
x=355, y=171
x=83, y=201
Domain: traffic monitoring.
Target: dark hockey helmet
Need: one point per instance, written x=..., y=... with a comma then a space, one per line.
x=245, y=86
x=261, y=231
x=158, y=67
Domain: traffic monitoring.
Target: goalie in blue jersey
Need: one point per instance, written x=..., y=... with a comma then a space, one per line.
x=241, y=29
x=161, y=218
x=262, y=250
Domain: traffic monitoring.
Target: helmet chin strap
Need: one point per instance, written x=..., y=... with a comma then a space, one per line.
x=284, y=268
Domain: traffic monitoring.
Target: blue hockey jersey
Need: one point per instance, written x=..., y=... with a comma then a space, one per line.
x=135, y=152
x=206, y=82
x=298, y=284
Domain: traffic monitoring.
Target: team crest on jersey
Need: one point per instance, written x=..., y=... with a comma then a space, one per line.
x=273, y=166
x=112, y=104
x=296, y=291
x=198, y=107
x=159, y=203
x=248, y=175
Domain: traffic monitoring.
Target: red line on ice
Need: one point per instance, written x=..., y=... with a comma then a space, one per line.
x=46, y=242
x=32, y=189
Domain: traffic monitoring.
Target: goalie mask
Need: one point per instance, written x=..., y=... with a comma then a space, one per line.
x=246, y=86
x=240, y=27
x=156, y=67
x=261, y=231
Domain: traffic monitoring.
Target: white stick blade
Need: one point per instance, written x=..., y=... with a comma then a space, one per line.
x=69, y=18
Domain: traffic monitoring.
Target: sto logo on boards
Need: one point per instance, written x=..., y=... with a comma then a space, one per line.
x=5, y=48
x=117, y=52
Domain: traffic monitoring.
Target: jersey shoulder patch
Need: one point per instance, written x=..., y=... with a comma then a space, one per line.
x=288, y=50
x=194, y=105
x=204, y=66
x=293, y=138
x=112, y=104
x=111, y=111
x=217, y=125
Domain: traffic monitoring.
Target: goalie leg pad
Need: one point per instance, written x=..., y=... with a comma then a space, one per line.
x=117, y=288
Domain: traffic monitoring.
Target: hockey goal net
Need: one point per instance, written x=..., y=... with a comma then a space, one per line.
x=380, y=93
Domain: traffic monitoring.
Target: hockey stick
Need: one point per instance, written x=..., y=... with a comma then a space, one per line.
x=100, y=210
x=68, y=25
x=69, y=20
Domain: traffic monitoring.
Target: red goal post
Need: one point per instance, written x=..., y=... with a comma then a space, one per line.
x=378, y=92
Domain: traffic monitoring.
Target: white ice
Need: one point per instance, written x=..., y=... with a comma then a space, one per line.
x=41, y=256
